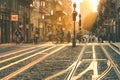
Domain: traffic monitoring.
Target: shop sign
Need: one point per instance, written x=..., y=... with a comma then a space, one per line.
x=14, y=17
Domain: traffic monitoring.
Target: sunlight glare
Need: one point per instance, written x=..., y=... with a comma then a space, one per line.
x=77, y=6
x=94, y=4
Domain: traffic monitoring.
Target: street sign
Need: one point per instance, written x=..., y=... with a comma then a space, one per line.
x=14, y=17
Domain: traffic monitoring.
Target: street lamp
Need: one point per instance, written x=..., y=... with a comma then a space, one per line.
x=43, y=27
x=80, y=22
x=27, y=33
x=74, y=19
x=52, y=22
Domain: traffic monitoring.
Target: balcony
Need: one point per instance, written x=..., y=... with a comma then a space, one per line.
x=59, y=9
x=58, y=2
x=61, y=13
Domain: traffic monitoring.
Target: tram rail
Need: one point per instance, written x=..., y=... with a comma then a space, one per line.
x=12, y=74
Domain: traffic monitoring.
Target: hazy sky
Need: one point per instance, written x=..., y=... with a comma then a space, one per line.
x=86, y=8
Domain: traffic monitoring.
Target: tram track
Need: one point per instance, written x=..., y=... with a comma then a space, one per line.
x=112, y=62
x=22, y=50
x=29, y=57
x=19, y=58
x=105, y=72
x=21, y=54
x=62, y=62
x=69, y=77
x=93, y=66
x=63, y=74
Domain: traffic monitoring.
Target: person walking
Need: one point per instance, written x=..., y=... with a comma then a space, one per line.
x=36, y=37
x=61, y=35
x=68, y=36
x=18, y=36
x=57, y=36
x=49, y=35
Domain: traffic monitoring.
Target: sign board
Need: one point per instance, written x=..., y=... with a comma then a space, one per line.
x=14, y=17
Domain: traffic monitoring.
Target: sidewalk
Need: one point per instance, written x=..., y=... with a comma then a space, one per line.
x=23, y=44
x=7, y=45
x=117, y=45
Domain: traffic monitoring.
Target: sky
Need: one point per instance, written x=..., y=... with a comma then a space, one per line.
x=89, y=3
x=85, y=8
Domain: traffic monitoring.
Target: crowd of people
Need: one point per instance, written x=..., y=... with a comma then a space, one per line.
x=60, y=36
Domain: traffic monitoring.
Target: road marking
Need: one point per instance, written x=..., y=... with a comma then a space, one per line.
x=90, y=60
x=95, y=70
x=75, y=67
x=92, y=66
x=88, y=52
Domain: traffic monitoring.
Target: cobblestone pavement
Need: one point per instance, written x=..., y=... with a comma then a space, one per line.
x=117, y=45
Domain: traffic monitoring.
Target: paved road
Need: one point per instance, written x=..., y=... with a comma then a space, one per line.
x=117, y=45
x=60, y=62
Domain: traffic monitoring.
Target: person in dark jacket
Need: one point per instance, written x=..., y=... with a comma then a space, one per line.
x=68, y=36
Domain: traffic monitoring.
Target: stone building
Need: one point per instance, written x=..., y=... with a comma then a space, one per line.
x=13, y=14
x=51, y=15
x=108, y=18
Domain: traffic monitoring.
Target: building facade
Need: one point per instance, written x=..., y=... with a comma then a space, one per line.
x=117, y=3
x=38, y=19
x=108, y=19
x=52, y=15
x=21, y=9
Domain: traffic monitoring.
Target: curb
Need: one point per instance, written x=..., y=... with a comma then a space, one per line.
x=13, y=44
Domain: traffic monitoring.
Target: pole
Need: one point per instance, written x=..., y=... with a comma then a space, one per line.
x=74, y=40
x=74, y=19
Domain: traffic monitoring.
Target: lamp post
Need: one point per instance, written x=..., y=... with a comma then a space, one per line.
x=27, y=33
x=52, y=22
x=43, y=27
x=80, y=22
x=74, y=19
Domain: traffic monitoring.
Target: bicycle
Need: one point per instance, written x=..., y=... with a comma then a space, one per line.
x=81, y=39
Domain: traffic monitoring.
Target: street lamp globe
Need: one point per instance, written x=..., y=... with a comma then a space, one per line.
x=74, y=5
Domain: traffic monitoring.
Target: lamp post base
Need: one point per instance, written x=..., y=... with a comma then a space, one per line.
x=73, y=43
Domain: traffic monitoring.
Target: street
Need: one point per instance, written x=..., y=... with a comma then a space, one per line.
x=86, y=61
x=59, y=39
